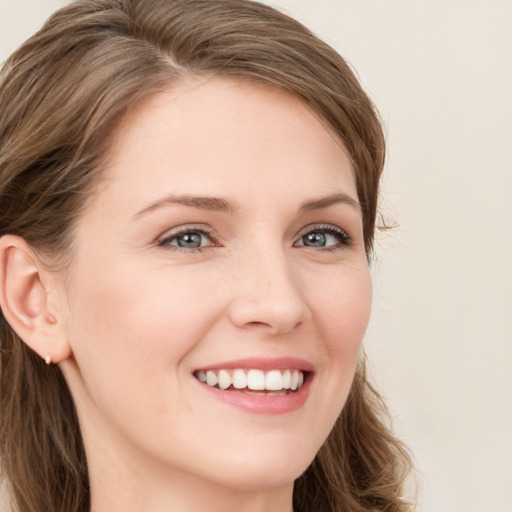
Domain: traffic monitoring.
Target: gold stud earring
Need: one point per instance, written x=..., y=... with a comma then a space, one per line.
x=48, y=359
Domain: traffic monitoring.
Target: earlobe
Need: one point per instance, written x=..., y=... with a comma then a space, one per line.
x=24, y=300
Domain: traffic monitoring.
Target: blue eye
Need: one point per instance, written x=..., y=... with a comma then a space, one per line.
x=324, y=237
x=188, y=239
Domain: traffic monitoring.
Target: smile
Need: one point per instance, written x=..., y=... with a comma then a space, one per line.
x=253, y=380
x=270, y=386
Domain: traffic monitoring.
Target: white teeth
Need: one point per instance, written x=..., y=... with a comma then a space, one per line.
x=274, y=380
x=287, y=377
x=278, y=381
x=211, y=378
x=295, y=380
x=255, y=380
x=224, y=379
x=239, y=379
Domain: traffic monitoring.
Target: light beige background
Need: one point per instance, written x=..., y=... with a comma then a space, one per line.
x=440, y=341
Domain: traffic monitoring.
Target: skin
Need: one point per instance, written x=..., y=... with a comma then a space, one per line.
x=140, y=316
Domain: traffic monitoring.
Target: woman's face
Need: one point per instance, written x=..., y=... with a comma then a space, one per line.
x=226, y=242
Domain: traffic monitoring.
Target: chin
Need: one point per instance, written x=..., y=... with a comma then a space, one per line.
x=272, y=469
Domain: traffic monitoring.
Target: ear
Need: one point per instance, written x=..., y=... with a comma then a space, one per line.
x=24, y=299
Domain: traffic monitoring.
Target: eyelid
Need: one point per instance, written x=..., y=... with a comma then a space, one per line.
x=173, y=233
x=327, y=228
x=163, y=240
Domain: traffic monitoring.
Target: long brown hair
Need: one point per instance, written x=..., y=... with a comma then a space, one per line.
x=61, y=96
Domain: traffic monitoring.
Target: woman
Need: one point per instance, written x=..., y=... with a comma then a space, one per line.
x=188, y=195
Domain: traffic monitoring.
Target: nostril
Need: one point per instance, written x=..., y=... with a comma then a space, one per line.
x=260, y=324
x=274, y=327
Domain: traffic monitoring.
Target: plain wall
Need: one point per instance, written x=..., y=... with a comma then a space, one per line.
x=440, y=340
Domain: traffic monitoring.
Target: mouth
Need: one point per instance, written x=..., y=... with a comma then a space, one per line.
x=254, y=381
x=269, y=386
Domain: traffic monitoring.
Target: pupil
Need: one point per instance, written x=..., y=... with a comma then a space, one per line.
x=190, y=240
x=315, y=239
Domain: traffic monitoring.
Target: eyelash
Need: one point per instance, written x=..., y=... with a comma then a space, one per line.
x=165, y=242
x=338, y=233
x=341, y=235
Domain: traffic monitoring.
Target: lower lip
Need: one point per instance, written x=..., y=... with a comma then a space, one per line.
x=262, y=404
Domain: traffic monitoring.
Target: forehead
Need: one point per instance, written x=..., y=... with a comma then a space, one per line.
x=224, y=132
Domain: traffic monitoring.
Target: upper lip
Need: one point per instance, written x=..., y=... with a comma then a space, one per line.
x=262, y=363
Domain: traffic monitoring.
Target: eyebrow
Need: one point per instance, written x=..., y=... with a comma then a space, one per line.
x=215, y=204
x=219, y=204
x=325, y=202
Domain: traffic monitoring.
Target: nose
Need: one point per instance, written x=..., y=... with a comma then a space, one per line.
x=267, y=294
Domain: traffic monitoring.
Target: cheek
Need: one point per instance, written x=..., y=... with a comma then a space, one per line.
x=343, y=316
x=345, y=306
x=130, y=331
x=123, y=303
